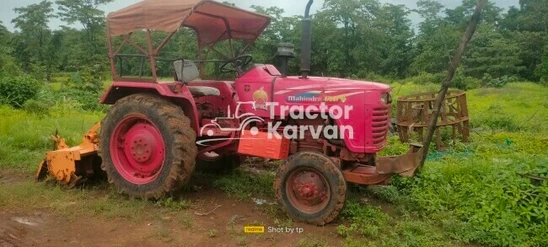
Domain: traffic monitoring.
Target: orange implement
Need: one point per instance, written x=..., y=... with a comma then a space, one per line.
x=69, y=165
x=263, y=145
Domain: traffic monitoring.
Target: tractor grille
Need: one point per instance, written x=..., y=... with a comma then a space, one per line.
x=380, y=123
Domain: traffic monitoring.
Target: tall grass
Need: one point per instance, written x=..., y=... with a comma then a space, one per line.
x=25, y=137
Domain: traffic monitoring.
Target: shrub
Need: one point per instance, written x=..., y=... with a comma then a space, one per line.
x=9, y=67
x=84, y=87
x=489, y=81
x=461, y=81
x=16, y=90
x=36, y=107
x=544, y=70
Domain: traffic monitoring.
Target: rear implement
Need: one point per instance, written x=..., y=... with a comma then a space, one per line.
x=72, y=165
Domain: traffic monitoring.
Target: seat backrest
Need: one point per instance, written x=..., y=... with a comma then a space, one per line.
x=186, y=70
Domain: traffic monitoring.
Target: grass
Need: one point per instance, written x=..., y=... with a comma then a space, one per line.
x=471, y=193
x=242, y=186
x=25, y=137
x=95, y=201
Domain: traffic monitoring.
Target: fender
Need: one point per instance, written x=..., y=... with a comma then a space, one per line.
x=174, y=92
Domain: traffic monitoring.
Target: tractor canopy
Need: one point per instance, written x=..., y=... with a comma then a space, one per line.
x=212, y=21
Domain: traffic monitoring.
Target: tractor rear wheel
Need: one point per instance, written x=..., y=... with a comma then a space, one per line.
x=147, y=146
x=310, y=188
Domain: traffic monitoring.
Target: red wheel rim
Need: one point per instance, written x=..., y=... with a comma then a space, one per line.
x=307, y=190
x=137, y=149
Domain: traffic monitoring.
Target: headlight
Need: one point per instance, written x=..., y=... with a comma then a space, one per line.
x=386, y=98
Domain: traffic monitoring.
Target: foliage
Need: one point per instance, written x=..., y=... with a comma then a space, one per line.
x=543, y=70
x=500, y=206
x=481, y=184
x=16, y=90
x=31, y=45
x=351, y=38
x=381, y=229
x=85, y=87
x=490, y=53
x=475, y=192
x=489, y=81
x=461, y=81
x=88, y=14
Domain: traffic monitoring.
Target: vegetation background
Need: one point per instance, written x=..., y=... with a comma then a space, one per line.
x=475, y=192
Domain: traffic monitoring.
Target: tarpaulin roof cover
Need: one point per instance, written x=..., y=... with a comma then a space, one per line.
x=211, y=20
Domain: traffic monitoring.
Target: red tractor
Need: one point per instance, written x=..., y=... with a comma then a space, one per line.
x=326, y=130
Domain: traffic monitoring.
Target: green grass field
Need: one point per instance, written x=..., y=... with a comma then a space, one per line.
x=471, y=193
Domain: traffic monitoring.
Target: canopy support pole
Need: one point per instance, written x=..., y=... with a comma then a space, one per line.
x=151, y=56
x=111, y=55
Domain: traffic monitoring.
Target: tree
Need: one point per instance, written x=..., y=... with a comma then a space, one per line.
x=532, y=37
x=453, y=66
x=31, y=41
x=533, y=15
x=430, y=12
x=461, y=14
x=491, y=53
x=396, y=47
x=4, y=34
x=435, y=41
x=8, y=66
x=438, y=35
x=277, y=32
x=355, y=17
x=92, y=19
x=510, y=20
x=435, y=49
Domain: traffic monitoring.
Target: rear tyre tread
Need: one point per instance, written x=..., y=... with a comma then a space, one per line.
x=183, y=147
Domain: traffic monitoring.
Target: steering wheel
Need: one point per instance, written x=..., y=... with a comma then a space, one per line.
x=237, y=63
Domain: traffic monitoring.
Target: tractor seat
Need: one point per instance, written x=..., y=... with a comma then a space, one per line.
x=198, y=91
x=186, y=72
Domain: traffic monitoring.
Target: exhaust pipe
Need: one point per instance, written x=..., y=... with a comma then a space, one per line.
x=306, y=42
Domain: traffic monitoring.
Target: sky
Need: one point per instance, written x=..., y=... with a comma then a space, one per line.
x=291, y=7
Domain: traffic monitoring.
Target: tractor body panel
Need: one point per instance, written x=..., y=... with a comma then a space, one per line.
x=276, y=97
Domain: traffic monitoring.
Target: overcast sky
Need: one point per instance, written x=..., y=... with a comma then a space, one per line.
x=291, y=7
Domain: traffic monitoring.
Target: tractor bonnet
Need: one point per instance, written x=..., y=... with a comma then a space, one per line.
x=212, y=21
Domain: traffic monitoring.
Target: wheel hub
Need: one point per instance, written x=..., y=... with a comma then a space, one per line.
x=142, y=147
x=139, y=150
x=309, y=188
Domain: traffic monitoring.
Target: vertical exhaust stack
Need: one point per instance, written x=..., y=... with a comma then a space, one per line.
x=306, y=42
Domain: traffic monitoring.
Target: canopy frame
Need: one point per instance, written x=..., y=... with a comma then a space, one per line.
x=151, y=52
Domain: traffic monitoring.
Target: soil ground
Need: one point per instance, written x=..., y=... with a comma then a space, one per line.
x=212, y=219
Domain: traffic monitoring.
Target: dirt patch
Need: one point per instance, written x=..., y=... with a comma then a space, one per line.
x=11, y=176
x=212, y=219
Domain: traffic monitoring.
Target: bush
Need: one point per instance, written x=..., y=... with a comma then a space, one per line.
x=84, y=87
x=36, y=107
x=463, y=82
x=16, y=90
x=489, y=81
x=500, y=207
x=543, y=70
x=9, y=67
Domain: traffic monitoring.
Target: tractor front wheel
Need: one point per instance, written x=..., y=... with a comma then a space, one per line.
x=310, y=188
x=147, y=146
